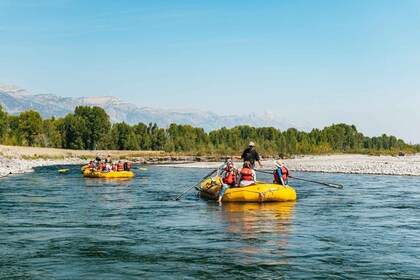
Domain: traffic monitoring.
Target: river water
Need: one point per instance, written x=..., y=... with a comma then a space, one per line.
x=63, y=226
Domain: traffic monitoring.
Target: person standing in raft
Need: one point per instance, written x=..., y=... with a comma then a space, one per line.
x=251, y=155
x=281, y=173
x=108, y=159
x=248, y=176
x=228, y=179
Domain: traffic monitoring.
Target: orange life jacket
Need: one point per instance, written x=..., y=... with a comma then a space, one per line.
x=230, y=178
x=246, y=174
x=114, y=167
x=90, y=165
x=284, y=174
x=128, y=165
x=120, y=167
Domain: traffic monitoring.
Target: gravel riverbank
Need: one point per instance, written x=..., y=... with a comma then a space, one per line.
x=15, y=160
x=350, y=164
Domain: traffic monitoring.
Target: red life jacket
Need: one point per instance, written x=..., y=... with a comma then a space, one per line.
x=246, y=174
x=120, y=167
x=104, y=167
x=128, y=166
x=284, y=174
x=114, y=168
x=230, y=178
x=90, y=165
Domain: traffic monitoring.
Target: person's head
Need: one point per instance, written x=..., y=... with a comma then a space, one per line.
x=230, y=165
x=251, y=145
x=278, y=163
x=247, y=164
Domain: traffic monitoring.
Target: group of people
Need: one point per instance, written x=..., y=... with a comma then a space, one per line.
x=108, y=165
x=246, y=175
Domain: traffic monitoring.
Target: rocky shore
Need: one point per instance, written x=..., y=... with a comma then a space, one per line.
x=350, y=164
x=15, y=160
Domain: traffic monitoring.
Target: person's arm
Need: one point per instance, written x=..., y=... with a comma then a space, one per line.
x=257, y=158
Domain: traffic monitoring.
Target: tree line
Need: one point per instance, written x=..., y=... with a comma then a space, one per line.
x=89, y=128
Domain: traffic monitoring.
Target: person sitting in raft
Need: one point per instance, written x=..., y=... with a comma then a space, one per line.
x=248, y=175
x=120, y=166
x=281, y=173
x=228, y=179
x=114, y=167
x=127, y=166
x=223, y=166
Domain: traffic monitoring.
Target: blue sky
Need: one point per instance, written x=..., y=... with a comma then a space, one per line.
x=320, y=62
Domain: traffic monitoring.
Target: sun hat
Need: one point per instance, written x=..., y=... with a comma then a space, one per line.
x=251, y=144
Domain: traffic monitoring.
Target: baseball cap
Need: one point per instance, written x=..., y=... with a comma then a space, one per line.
x=251, y=144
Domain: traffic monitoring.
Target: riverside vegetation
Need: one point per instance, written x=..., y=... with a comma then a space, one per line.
x=89, y=128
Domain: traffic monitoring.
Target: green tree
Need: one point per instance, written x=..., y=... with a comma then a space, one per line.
x=30, y=128
x=4, y=124
x=97, y=125
x=51, y=133
x=72, y=131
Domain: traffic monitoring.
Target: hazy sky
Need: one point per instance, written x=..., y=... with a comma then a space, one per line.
x=320, y=62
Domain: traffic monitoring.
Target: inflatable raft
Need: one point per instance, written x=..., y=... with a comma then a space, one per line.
x=112, y=174
x=259, y=192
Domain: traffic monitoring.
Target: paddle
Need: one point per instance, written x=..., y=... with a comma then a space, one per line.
x=332, y=185
x=143, y=168
x=67, y=169
x=205, y=177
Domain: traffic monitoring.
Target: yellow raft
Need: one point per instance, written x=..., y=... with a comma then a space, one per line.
x=83, y=169
x=259, y=192
x=112, y=174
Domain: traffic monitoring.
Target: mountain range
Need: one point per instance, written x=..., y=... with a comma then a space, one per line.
x=15, y=100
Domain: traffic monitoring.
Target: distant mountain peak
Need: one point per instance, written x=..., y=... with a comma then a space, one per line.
x=16, y=100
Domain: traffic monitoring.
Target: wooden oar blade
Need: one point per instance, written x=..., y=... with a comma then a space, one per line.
x=63, y=170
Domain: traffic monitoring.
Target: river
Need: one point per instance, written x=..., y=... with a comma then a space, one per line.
x=63, y=226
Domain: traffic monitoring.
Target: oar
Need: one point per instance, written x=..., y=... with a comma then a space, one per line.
x=205, y=177
x=67, y=169
x=332, y=185
x=143, y=168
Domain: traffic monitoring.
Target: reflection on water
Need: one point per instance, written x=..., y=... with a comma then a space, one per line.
x=263, y=228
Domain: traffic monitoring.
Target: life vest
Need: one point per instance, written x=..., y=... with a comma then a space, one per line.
x=90, y=165
x=127, y=166
x=114, y=167
x=120, y=167
x=230, y=178
x=246, y=174
x=284, y=174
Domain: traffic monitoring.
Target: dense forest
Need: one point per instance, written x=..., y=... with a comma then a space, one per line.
x=89, y=128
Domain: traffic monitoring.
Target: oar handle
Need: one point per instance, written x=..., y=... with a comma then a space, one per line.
x=208, y=175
